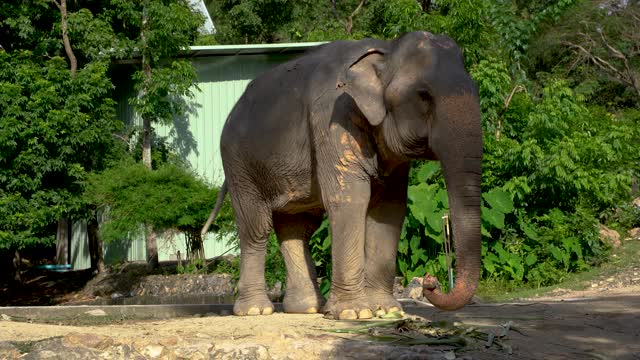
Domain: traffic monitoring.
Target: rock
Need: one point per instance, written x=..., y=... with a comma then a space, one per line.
x=275, y=293
x=357, y=350
x=44, y=354
x=96, y=312
x=9, y=351
x=398, y=289
x=242, y=352
x=5, y=317
x=609, y=236
x=475, y=300
x=153, y=351
x=55, y=348
x=634, y=234
x=122, y=351
x=196, y=351
x=414, y=289
x=450, y=355
x=169, y=341
x=92, y=341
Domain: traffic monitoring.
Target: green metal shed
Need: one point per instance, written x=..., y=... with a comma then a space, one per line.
x=224, y=72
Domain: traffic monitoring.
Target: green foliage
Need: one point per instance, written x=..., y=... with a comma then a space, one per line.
x=564, y=155
x=421, y=247
x=54, y=130
x=492, y=77
x=163, y=91
x=596, y=44
x=274, y=262
x=320, y=247
x=515, y=23
x=565, y=164
x=164, y=81
x=192, y=267
x=170, y=197
x=466, y=21
x=250, y=21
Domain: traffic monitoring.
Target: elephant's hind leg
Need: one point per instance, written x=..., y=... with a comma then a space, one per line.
x=254, y=223
x=294, y=231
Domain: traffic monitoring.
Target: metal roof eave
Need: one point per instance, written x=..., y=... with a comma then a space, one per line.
x=232, y=50
x=251, y=49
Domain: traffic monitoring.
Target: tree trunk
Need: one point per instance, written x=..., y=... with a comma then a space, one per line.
x=62, y=5
x=425, y=5
x=152, y=248
x=146, y=70
x=150, y=238
x=17, y=264
x=195, y=245
x=62, y=242
x=95, y=245
x=146, y=142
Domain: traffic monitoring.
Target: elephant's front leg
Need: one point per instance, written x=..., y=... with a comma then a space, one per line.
x=347, y=205
x=384, y=225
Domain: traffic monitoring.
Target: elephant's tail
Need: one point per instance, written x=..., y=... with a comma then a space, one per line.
x=216, y=209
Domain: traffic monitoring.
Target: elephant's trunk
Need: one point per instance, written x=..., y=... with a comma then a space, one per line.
x=461, y=158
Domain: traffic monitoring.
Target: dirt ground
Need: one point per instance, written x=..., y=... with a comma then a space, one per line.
x=584, y=325
x=606, y=327
x=601, y=322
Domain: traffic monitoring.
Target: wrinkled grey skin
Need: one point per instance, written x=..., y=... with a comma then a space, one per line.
x=335, y=130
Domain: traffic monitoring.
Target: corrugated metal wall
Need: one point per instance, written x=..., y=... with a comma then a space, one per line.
x=222, y=80
x=80, y=258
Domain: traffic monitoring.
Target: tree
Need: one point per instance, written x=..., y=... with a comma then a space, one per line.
x=54, y=130
x=348, y=21
x=251, y=21
x=610, y=41
x=169, y=198
x=64, y=25
x=158, y=32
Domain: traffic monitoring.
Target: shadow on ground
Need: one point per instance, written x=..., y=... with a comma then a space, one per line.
x=602, y=328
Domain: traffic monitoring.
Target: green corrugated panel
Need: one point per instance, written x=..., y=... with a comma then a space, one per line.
x=137, y=249
x=80, y=246
x=222, y=80
x=170, y=244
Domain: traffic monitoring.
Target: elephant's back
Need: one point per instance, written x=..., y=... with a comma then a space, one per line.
x=268, y=138
x=276, y=104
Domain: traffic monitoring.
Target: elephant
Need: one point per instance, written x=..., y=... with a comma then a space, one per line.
x=334, y=131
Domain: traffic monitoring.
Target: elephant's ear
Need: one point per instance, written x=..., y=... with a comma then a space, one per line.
x=361, y=80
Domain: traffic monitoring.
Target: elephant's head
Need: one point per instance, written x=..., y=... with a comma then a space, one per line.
x=416, y=93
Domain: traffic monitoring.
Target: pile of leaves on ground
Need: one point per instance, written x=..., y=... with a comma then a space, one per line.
x=442, y=335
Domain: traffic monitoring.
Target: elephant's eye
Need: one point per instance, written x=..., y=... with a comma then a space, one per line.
x=424, y=94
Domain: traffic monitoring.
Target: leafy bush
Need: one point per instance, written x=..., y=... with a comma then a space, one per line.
x=171, y=197
x=54, y=130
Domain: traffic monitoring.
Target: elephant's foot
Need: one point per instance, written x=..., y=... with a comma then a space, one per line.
x=302, y=302
x=337, y=309
x=253, y=305
x=383, y=303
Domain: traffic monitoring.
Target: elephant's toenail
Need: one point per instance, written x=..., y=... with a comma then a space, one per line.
x=394, y=309
x=365, y=314
x=311, y=310
x=267, y=311
x=348, y=315
x=253, y=311
x=380, y=313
